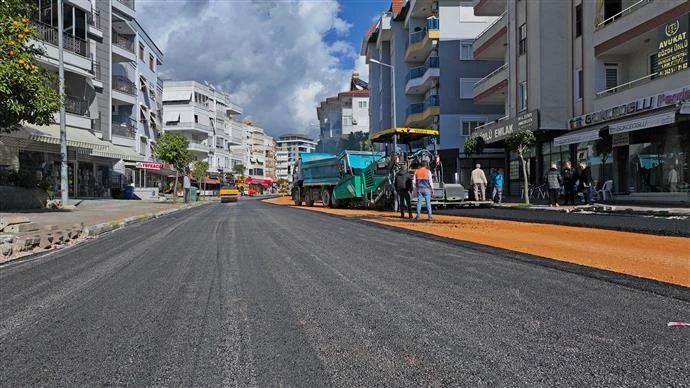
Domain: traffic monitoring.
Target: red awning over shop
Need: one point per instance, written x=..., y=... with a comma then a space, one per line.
x=211, y=181
x=265, y=182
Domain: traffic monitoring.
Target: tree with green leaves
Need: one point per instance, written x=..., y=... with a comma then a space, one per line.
x=357, y=141
x=603, y=148
x=239, y=170
x=474, y=145
x=199, y=170
x=520, y=141
x=27, y=93
x=172, y=148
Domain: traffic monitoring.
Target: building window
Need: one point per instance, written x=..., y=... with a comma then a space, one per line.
x=467, y=86
x=579, y=85
x=141, y=52
x=362, y=104
x=611, y=75
x=152, y=63
x=653, y=64
x=578, y=20
x=469, y=126
x=612, y=8
x=466, y=52
x=523, y=96
x=522, y=44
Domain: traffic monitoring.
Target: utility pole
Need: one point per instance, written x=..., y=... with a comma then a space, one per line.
x=64, y=181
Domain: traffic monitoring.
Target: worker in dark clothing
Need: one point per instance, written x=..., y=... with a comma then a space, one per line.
x=403, y=185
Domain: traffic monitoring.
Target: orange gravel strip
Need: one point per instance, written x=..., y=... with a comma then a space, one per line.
x=662, y=258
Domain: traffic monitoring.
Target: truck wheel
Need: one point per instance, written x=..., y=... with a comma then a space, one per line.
x=334, y=202
x=326, y=198
x=309, y=200
x=297, y=198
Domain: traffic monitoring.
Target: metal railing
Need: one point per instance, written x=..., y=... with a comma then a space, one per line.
x=627, y=85
x=76, y=105
x=96, y=70
x=124, y=127
x=123, y=42
x=431, y=24
x=488, y=76
x=49, y=34
x=622, y=13
x=128, y=3
x=490, y=123
x=419, y=107
x=492, y=24
x=418, y=72
x=94, y=19
x=124, y=85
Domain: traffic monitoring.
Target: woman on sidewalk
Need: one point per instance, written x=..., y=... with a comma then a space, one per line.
x=554, y=180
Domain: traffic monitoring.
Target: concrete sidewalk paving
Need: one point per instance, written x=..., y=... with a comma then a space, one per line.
x=33, y=231
x=613, y=207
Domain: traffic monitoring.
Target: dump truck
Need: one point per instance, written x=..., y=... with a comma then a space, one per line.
x=445, y=194
x=352, y=178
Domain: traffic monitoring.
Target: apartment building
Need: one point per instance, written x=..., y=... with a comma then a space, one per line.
x=96, y=155
x=288, y=148
x=271, y=150
x=588, y=71
x=341, y=115
x=422, y=70
x=204, y=116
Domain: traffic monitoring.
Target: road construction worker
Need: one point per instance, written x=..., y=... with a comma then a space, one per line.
x=423, y=185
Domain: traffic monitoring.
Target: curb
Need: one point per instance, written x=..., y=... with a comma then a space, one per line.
x=602, y=209
x=15, y=247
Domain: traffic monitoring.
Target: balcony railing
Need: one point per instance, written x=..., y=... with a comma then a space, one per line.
x=124, y=85
x=71, y=43
x=123, y=42
x=96, y=70
x=419, y=107
x=418, y=72
x=128, y=3
x=623, y=13
x=432, y=23
x=76, y=105
x=627, y=85
x=94, y=19
x=124, y=127
x=201, y=127
x=488, y=76
x=492, y=24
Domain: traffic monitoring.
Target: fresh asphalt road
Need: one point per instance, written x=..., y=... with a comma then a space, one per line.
x=253, y=294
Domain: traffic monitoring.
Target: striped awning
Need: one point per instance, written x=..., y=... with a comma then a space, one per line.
x=117, y=152
x=50, y=134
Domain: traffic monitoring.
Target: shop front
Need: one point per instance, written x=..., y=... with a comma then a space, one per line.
x=649, y=146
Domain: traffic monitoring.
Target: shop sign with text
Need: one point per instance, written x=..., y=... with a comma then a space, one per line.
x=501, y=130
x=149, y=166
x=672, y=54
x=667, y=98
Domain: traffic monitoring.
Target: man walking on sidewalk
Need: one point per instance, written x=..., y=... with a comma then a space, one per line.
x=187, y=185
x=497, y=192
x=479, y=183
x=425, y=188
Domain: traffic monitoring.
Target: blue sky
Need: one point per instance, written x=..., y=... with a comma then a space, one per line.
x=278, y=59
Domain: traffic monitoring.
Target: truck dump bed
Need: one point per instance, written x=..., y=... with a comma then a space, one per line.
x=319, y=169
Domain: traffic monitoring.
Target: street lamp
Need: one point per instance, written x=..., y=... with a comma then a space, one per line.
x=395, y=135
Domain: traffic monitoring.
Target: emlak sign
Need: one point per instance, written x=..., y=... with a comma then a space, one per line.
x=661, y=100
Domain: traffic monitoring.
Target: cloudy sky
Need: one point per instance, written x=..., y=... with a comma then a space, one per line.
x=277, y=58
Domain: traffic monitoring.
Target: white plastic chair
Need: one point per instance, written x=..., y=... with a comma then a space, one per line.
x=606, y=188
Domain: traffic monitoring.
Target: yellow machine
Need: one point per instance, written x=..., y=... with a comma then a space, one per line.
x=229, y=194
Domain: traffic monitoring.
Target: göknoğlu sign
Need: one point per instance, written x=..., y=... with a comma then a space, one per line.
x=661, y=100
x=502, y=129
x=672, y=55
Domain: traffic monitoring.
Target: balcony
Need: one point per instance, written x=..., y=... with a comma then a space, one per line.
x=125, y=7
x=491, y=43
x=639, y=18
x=420, y=79
x=124, y=90
x=188, y=127
x=71, y=43
x=421, y=114
x=491, y=90
x=198, y=147
x=420, y=42
x=97, y=74
x=94, y=25
x=489, y=7
x=76, y=105
x=124, y=127
x=123, y=48
x=641, y=87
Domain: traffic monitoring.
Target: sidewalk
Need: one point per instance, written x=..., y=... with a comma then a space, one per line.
x=31, y=231
x=614, y=207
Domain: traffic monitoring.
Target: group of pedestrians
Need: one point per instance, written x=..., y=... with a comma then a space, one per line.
x=480, y=184
x=422, y=182
x=571, y=181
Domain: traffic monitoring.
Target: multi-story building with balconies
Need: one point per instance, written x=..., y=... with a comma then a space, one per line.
x=288, y=148
x=425, y=48
x=341, y=115
x=204, y=116
x=613, y=71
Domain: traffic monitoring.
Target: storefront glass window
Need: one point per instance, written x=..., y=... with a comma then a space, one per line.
x=658, y=159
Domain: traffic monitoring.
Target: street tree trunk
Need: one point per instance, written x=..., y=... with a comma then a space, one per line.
x=175, y=187
x=524, y=174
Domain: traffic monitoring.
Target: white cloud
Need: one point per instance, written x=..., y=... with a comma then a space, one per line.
x=270, y=55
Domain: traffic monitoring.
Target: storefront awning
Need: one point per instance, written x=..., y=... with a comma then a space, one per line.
x=116, y=152
x=579, y=136
x=643, y=122
x=211, y=181
x=174, y=95
x=50, y=134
